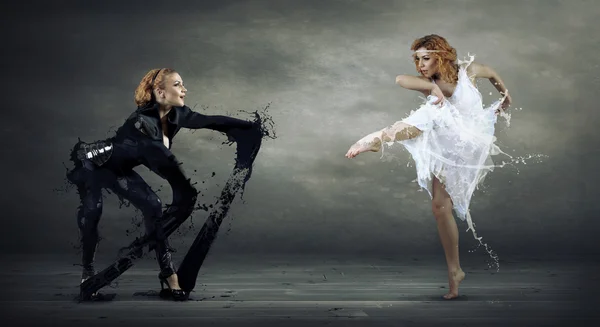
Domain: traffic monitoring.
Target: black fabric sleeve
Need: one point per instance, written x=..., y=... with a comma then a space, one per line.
x=195, y=120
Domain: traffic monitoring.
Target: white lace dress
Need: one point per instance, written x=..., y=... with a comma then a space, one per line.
x=456, y=143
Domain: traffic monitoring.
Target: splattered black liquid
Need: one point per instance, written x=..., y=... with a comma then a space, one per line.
x=248, y=143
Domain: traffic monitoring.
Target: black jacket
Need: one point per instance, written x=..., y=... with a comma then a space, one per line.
x=139, y=141
x=146, y=120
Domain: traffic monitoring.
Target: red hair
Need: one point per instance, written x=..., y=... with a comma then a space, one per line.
x=153, y=79
x=446, y=57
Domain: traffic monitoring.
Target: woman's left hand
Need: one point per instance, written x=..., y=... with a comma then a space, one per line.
x=507, y=101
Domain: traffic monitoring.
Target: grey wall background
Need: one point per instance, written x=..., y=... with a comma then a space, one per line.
x=328, y=69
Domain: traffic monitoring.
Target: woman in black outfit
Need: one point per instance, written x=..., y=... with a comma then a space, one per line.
x=144, y=139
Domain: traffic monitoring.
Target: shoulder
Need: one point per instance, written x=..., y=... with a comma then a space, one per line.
x=183, y=109
x=134, y=115
x=148, y=109
x=474, y=68
x=179, y=115
x=183, y=116
x=479, y=70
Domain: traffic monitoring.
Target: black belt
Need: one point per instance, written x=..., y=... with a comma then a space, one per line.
x=97, y=152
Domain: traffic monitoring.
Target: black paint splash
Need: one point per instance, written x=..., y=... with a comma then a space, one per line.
x=248, y=145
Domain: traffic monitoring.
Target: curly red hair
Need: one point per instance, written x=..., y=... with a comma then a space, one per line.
x=154, y=78
x=446, y=57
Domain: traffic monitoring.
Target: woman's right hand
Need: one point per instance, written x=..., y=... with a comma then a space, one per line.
x=437, y=92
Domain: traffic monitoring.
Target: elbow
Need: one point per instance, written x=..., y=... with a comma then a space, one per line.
x=407, y=81
x=401, y=80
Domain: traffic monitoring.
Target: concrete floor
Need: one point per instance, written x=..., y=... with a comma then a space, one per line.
x=305, y=291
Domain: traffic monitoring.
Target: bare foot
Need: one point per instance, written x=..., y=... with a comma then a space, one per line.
x=359, y=148
x=454, y=279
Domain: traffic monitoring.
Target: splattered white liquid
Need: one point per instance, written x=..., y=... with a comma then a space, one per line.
x=456, y=145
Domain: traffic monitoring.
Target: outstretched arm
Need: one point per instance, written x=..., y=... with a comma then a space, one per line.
x=483, y=71
x=195, y=120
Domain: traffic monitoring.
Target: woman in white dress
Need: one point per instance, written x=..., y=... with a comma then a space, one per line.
x=450, y=137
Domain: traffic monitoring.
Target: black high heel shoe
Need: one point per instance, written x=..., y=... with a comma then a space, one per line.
x=176, y=295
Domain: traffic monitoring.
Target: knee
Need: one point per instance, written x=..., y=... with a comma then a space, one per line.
x=92, y=206
x=441, y=208
x=152, y=211
x=88, y=221
x=89, y=213
x=77, y=175
x=153, y=206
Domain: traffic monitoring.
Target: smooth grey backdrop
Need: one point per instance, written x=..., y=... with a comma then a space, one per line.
x=327, y=68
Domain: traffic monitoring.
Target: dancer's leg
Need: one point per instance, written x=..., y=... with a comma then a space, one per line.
x=398, y=132
x=133, y=188
x=89, y=186
x=448, y=231
x=161, y=161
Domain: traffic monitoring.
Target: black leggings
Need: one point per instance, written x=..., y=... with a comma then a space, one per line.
x=91, y=179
